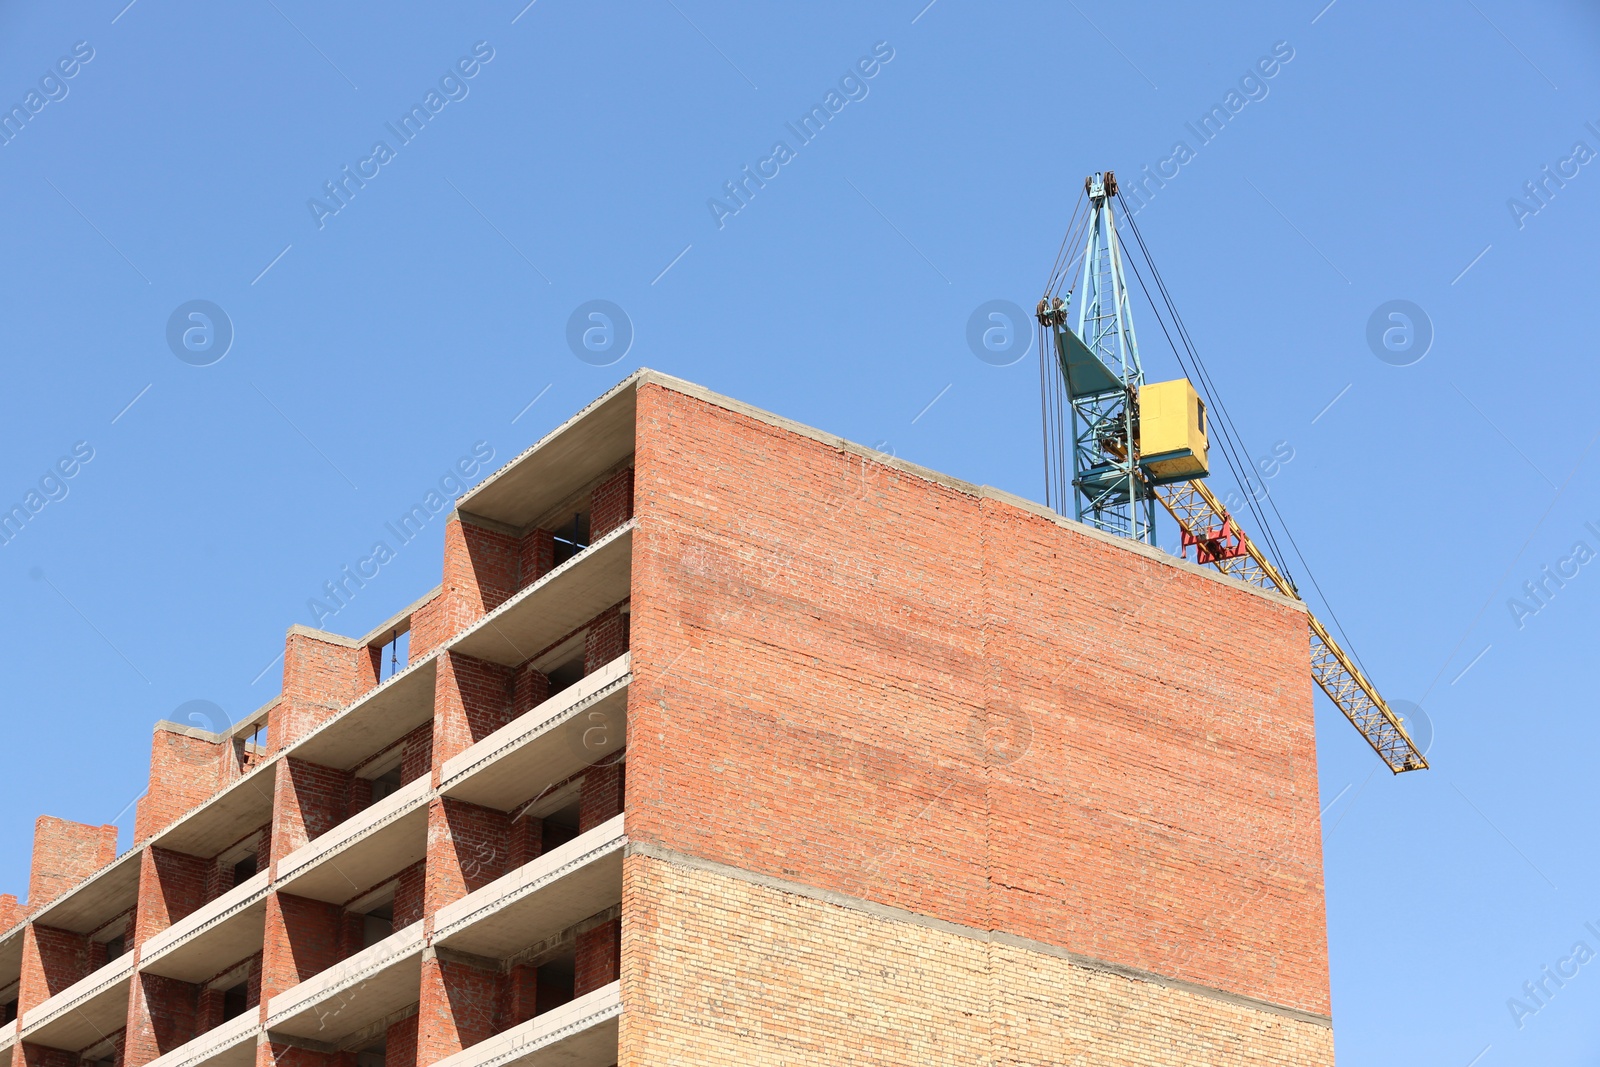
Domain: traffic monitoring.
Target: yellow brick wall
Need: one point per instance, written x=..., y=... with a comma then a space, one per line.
x=719, y=969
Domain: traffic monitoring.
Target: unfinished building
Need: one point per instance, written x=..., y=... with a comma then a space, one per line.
x=722, y=740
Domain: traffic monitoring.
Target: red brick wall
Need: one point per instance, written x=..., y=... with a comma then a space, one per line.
x=537, y=555
x=358, y=795
x=409, y=894
x=416, y=753
x=64, y=854
x=308, y=801
x=529, y=689
x=210, y=1002
x=219, y=878
x=611, y=504
x=40, y=1056
x=51, y=960
x=467, y=849
x=303, y=938
x=481, y=569
x=602, y=792
x=526, y=841
x=11, y=913
x=471, y=699
x=427, y=627
x=599, y=957
x=162, y=1014
x=320, y=677
x=253, y=984
x=184, y=771
x=400, y=1044
x=171, y=885
x=521, y=1000
x=208, y=1011
x=606, y=639
x=459, y=1007
x=889, y=688
x=98, y=949
x=279, y=1054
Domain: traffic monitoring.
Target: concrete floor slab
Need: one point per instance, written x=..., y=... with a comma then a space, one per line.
x=377, y=720
x=84, y=1012
x=544, y=747
x=540, y=899
x=554, y=606
x=580, y=1033
x=225, y=817
x=361, y=851
x=92, y=903
x=211, y=937
x=561, y=463
x=233, y=1044
x=353, y=994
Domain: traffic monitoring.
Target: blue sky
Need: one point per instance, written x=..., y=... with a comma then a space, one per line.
x=374, y=345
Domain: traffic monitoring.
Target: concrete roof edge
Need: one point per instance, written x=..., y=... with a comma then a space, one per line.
x=631, y=381
x=196, y=732
x=254, y=717
x=403, y=614
x=700, y=392
x=1150, y=552
x=484, y=521
x=989, y=492
x=645, y=375
x=323, y=635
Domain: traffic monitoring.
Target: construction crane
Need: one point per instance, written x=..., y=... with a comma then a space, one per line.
x=1133, y=444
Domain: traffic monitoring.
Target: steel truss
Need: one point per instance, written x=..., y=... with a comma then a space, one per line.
x=1200, y=515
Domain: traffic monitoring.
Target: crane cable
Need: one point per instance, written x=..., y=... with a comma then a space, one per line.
x=1227, y=423
x=1051, y=388
x=1061, y=267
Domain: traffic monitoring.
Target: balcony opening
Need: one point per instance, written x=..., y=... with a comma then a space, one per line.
x=572, y=537
x=235, y=1001
x=372, y=1055
x=559, y=827
x=115, y=947
x=386, y=783
x=567, y=674
x=557, y=982
x=256, y=740
x=8, y=1011
x=376, y=925
x=244, y=870
x=394, y=655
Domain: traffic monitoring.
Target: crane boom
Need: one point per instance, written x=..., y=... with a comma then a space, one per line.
x=1220, y=542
